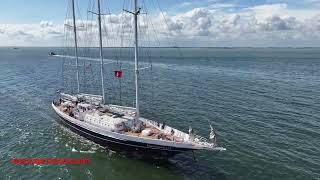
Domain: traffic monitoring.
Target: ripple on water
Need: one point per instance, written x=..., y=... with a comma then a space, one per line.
x=262, y=102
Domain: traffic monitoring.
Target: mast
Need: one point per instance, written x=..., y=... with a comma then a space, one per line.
x=101, y=53
x=75, y=44
x=136, y=13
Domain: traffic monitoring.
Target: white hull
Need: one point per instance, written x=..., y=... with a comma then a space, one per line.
x=189, y=145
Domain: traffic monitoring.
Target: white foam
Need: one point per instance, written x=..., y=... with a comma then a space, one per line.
x=87, y=152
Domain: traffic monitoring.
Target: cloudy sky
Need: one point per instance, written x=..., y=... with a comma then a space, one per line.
x=260, y=23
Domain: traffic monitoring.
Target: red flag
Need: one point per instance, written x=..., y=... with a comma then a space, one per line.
x=118, y=74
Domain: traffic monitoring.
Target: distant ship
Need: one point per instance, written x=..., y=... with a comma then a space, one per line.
x=119, y=127
x=52, y=53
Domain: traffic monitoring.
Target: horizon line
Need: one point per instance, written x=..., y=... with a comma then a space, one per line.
x=297, y=47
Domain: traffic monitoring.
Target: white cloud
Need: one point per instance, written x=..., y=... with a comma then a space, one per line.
x=262, y=12
x=268, y=25
x=45, y=24
x=263, y=25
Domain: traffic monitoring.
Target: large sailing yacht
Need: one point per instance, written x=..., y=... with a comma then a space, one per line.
x=119, y=127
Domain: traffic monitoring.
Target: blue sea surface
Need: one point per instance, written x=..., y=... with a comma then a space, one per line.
x=263, y=102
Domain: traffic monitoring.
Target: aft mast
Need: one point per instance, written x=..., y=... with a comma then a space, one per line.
x=75, y=45
x=101, y=53
x=136, y=13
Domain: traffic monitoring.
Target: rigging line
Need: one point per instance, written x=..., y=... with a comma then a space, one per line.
x=154, y=31
x=79, y=12
x=150, y=59
x=94, y=39
x=108, y=43
x=148, y=34
x=86, y=51
x=90, y=30
x=63, y=49
x=87, y=26
x=109, y=32
x=111, y=27
x=162, y=14
x=65, y=29
x=179, y=50
x=81, y=24
x=65, y=82
x=121, y=29
x=129, y=43
x=104, y=26
x=117, y=58
x=120, y=33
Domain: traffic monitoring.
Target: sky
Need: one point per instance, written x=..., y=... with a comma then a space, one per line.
x=199, y=23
